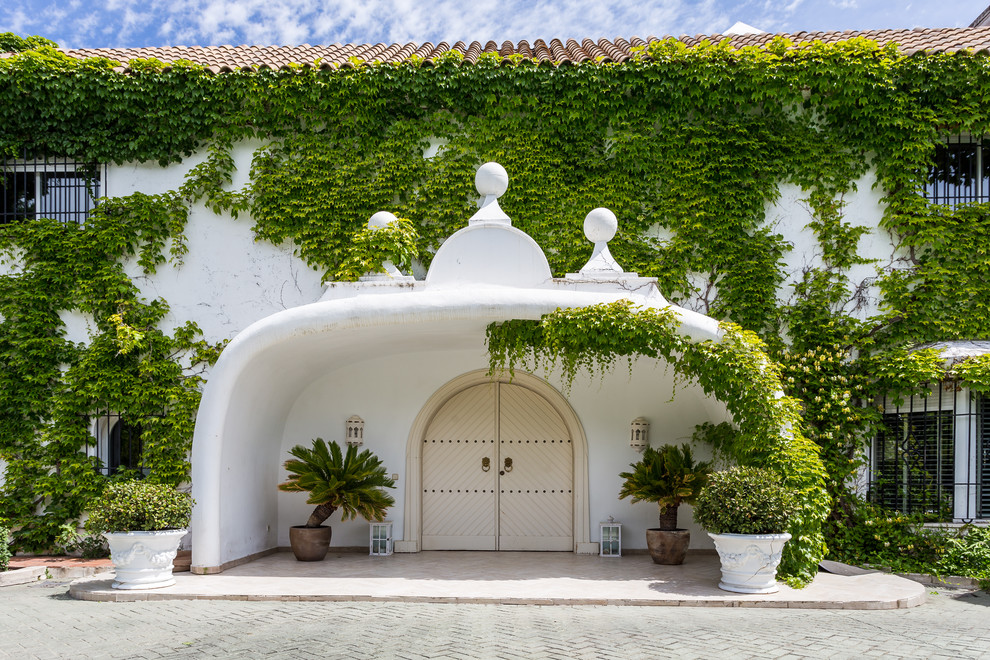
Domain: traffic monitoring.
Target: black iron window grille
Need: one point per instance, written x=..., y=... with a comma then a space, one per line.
x=119, y=442
x=932, y=455
x=58, y=188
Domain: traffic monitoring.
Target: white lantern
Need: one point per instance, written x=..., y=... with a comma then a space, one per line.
x=381, y=538
x=639, y=434
x=355, y=431
x=611, y=535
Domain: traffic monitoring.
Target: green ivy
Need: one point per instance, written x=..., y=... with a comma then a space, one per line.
x=736, y=370
x=50, y=388
x=5, y=553
x=371, y=247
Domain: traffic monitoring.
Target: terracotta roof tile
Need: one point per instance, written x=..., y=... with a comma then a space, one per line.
x=235, y=58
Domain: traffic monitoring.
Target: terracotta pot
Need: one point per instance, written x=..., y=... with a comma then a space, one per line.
x=668, y=547
x=309, y=543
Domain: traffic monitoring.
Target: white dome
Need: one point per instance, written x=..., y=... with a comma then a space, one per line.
x=490, y=254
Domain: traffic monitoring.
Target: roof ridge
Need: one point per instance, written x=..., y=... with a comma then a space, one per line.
x=227, y=57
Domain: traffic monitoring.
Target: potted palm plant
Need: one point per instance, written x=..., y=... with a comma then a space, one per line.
x=745, y=511
x=667, y=476
x=350, y=481
x=143, y=524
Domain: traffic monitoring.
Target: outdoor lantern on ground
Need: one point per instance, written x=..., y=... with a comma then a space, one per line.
x=355, y=431
x=639, y=434
x=381, y=538
x=611, y=535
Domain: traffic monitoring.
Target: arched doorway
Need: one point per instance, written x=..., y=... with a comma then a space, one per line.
x=498, y=473
x=497, y=465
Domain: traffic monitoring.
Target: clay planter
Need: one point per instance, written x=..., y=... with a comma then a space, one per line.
x=749, y=561
x=668, y=546
x=143, y=560
x=309, y=543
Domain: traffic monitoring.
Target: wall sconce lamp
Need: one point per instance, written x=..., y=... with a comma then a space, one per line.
x=639, y=434
x=355, y=431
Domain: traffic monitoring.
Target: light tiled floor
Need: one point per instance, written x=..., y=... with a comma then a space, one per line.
x=508, y=577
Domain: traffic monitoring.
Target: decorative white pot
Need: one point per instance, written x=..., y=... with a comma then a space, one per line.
x=143, y=560
x=749, y=561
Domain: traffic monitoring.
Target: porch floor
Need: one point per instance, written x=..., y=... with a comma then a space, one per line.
x=525, y=578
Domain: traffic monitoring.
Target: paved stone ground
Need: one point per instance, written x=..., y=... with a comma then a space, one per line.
x=41, y=621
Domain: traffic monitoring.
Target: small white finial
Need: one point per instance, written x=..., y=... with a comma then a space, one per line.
x=377, y=221
x=600, y=225
x=381, y=219
x=491, y=180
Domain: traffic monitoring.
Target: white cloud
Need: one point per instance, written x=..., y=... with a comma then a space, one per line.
x=76, y=23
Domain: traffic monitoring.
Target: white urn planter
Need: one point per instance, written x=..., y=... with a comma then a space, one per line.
x=143, y=560
x=749, y=561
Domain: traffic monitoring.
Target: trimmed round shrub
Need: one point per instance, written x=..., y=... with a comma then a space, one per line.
x=131, y=506
x=4, y=548
x=744, y=500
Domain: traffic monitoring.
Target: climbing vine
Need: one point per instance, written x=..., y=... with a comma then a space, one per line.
x=51, y=389
x=736, y=370
x=689, y=146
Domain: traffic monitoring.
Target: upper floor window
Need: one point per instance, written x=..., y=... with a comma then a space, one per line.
x=960, y=173
x=57, y=188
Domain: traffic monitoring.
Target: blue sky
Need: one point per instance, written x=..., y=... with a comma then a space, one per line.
x=128, y=23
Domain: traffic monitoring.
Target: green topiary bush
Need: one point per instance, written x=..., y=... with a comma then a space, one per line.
x=744, y=500
x=4, y=548
x=130, y=506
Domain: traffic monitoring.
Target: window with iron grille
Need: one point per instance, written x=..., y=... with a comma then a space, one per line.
x=119, y=442
x=960, y=173
x=58, y=188
x=932, y=455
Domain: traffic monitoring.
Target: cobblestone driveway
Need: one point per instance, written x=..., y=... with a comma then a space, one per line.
x=41, y=621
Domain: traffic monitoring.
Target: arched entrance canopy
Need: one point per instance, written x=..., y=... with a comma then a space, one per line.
x=262, y=372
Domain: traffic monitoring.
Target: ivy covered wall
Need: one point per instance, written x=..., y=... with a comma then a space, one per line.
x=689, y=147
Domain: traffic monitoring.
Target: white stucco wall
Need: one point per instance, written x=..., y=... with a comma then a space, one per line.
x=863, y=207
x=226, y=280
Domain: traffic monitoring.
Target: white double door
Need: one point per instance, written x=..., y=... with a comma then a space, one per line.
x=498, y=473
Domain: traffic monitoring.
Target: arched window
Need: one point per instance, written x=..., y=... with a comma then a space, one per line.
x=124, y=447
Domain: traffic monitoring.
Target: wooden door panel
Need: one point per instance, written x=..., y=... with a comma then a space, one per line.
x=459, y=496
x=535, y=495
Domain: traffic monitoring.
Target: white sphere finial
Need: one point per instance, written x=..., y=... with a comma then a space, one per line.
x=600, y=225
x=381, y=219
x=491, y=180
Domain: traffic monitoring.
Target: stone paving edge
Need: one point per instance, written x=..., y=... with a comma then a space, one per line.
x=88, y=589
x=22, y=576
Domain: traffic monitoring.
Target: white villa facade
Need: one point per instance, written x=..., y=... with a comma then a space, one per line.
x=482, y=462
